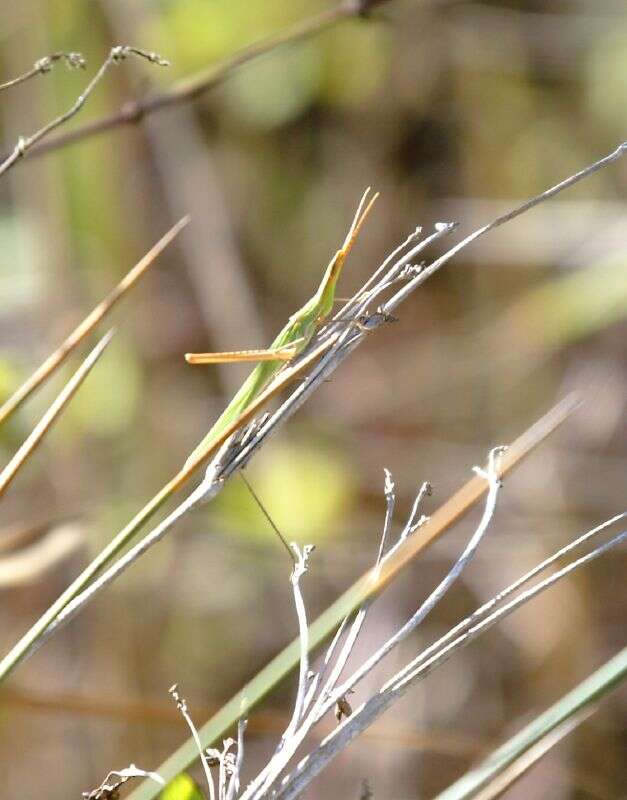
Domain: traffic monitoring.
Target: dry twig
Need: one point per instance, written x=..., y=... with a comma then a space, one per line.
x=333, y=694
x=117, y=54
x=391, y=691
x=273, y=780
x=109, y=789
x=44, y=65
x=190, y=88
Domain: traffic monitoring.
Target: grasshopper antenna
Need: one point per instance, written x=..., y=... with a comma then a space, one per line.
x=268, y=517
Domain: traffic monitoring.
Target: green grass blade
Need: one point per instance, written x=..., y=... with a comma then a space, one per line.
x=599, y=684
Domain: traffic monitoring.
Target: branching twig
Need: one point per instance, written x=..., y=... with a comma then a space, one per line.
x=397, y=686
x=414, y=521
x=87, y=325
x=117, y=54
x=110, y=791
x=196, y=85
x=491, y=476
x=44, y=65
x=52, y=414
x=332, y=694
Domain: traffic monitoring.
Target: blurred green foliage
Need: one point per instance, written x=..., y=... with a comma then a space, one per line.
x=182, y=788
x=306, y=488
x=107, y=405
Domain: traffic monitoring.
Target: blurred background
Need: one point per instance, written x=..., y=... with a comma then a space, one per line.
x=453, y=111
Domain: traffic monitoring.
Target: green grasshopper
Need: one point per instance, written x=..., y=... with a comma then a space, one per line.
x=292, y=340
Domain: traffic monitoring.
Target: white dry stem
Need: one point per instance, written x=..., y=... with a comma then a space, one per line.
x=414, y=522
x=360, y=616
x=310, y=766
x=330, y=694
x=491, y=476
x=481, y=612
x=300, y=568
x=285, y=747
x=109, y=788
x=389, y=490
x=181, y=705
x=234, y=782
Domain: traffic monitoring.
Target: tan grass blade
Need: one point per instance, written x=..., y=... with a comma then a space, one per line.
x=52, y=414
x=87, y=325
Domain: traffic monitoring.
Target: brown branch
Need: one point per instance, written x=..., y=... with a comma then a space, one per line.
x=87, y=325
x=203, y=81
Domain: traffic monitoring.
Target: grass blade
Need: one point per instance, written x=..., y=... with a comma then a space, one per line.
x=87, y=325
x=52, y=414
x=599, y=684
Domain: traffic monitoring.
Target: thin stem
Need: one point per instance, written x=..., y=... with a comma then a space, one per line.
x=44, y=65
x=116, y=55
x=52, y=414
x=234, y=783
x=395, y=688
x=390, y=502
x=406, y=290
x=481, y=612
x=181, y=704
x=492, y=478
x=54, y=361
x=188, y=89
x=300, y=568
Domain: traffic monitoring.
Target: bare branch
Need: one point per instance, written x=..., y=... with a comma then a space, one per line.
x=44, y=65
x=491, y=476
x=188, y=89
x=396, y=687
x=117, y=54
x=481, y=612
x=234, y=783
x=330, y=695
x=300, y=568
x=110, y=791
